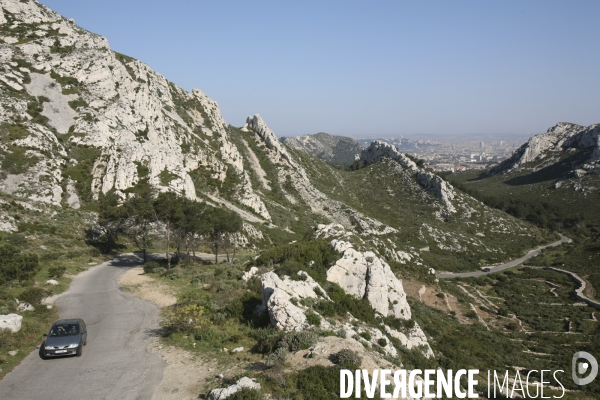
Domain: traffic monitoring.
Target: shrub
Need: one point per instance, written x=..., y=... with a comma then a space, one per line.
x=313, y=318
x=295, y=256
x=294, y=341
x=205, y=335
x=5, y=308
x=503, y=311
x=366, y=335
x=317, y=383
x=173, y=274
x=159, y=271
x=399, y=324
x=242, y=308
x=341, y=333
x=513, y=326
x=382, y=342
x=267, y=339
x=16, y=265
x=278, y=357
x=201, y=278
x=246, y=394
x=56, y=272
x=325, y=308
x=150, y=266
x=347, y=359
x=343, y=302
x=189, y=318
x=471, y=314
x=34, y=295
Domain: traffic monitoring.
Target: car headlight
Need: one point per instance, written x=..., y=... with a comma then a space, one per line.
x=72, y=346
x=49, y=348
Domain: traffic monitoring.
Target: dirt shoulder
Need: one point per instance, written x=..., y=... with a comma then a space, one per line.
x=147, y=288
x=186, y=374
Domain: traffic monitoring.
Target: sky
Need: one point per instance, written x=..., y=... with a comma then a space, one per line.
x=369, y=69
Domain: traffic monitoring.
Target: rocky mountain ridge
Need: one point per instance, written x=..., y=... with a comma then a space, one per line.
x=562, y=139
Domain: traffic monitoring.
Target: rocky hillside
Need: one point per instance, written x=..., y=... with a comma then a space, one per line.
x=335, y=150
x=566, y=150
x=77, y=120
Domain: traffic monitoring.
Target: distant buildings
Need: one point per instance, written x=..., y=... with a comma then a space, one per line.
x=456, y=155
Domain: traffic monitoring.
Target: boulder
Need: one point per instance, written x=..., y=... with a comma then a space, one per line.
x=52, y=282
x=414, y=338
x=11, y=322
x=365, y=275
x=249, y=274
x=22, y=307
x=225, y=393
x=277, y=299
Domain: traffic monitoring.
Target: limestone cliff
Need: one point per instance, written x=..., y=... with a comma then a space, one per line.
x=67, y=98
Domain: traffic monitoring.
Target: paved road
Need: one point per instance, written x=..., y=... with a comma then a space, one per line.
x=115, y=364
x=510, y=264
x=579, y=290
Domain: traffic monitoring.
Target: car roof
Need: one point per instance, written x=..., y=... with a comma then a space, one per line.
x=69, y=320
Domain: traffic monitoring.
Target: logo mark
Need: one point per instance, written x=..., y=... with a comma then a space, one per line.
x=581, y=367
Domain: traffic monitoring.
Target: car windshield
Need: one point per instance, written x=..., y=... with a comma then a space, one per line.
x=64, y=330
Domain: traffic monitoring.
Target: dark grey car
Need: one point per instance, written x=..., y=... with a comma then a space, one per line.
x=66, y=337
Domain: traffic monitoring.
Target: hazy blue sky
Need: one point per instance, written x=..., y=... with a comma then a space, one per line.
x=361, y=68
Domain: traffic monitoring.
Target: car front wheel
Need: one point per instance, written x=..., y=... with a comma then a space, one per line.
x=43, y=352
x=79, y=350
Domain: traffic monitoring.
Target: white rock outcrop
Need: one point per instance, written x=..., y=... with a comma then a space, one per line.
x=225, y=393
x=249, y=274
x=379, y=150
x=365, y=275
x=413, y=339
x=438, y=187
x=22, y=307
x=277, y=294
x=259, y=126
x=12, y=322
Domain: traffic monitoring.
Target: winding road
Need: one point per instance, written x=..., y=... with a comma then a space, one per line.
x=510, y=264
x=116, y=363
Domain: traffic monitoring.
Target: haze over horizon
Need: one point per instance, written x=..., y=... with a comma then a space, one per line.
x=359, y=70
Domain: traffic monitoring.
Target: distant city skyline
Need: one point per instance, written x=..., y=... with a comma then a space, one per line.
x=362, y=69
